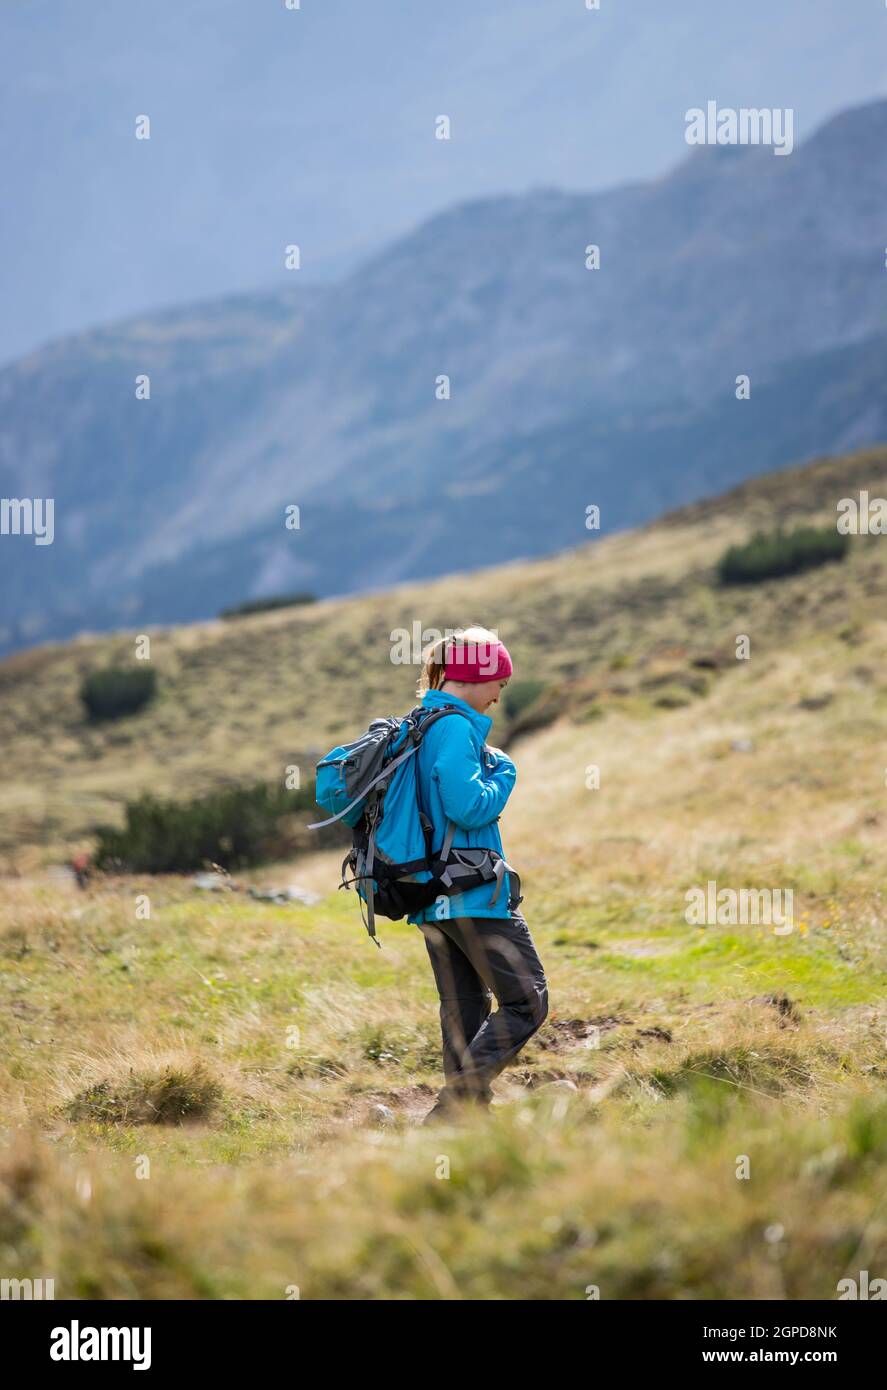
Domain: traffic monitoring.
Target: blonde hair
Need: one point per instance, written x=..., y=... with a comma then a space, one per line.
x=434, y=660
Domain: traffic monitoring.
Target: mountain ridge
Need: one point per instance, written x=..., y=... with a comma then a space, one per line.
x=324, y=397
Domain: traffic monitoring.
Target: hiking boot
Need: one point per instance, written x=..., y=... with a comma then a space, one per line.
x=453, y=1105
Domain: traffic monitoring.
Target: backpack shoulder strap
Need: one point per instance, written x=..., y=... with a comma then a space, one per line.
x=432, y=718
x=425, y=718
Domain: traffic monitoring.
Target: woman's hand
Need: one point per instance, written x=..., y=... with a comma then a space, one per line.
x=495, y=755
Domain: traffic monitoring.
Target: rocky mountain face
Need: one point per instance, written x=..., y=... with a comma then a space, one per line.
x=566, y=386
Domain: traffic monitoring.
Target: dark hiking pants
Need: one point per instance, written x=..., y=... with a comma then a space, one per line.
x=476, y=959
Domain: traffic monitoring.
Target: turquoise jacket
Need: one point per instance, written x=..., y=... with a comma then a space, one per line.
x=463, y=782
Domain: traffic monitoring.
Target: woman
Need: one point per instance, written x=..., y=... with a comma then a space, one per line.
x=479, y=944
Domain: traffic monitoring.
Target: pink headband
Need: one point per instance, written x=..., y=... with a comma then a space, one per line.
x=477, y=661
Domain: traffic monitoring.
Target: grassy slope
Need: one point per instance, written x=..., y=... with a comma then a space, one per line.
x=244, y=699
x=774, y=776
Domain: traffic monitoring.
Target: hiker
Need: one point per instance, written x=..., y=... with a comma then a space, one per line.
x=81, y=868
x=422, y=796
x=478, y=942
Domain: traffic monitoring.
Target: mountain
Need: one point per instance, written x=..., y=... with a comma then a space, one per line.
x=568, y=386
x=270, y=124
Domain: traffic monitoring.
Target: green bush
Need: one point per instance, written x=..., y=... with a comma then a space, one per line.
x=117, y=691
x=773, y=554
x=233, y=828
x=166, y=1097
x=519, y=695
x=265, y=605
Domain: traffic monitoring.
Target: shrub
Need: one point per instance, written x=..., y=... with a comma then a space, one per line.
x=531, y=705
x=168, y=1096
x=234, y=827
x=773, y=554
x=265, y=605
x=117, y=691
x=672, y=697
x=519, y=695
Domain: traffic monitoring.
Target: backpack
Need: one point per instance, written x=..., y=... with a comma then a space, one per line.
x=373, y=785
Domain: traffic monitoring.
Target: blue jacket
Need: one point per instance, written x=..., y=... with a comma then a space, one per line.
x=461, y=783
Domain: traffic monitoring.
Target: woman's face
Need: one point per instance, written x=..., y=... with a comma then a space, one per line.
x=480, y=695
x=488, y=693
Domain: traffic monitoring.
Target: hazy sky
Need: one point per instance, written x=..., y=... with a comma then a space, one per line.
x=316, y=126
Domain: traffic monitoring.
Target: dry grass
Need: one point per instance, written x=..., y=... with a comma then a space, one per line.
x=240, y=701
x=163, y=1091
